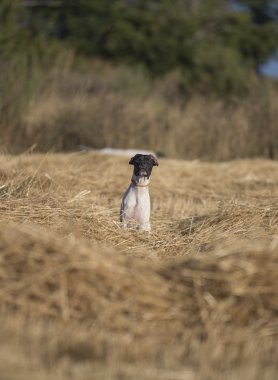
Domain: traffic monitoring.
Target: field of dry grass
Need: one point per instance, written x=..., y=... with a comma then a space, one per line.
x=122, y=107
x=83, y=299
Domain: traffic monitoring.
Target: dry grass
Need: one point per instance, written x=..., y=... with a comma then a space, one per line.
x=93, y=112
x=121, y=107
x=80, y=298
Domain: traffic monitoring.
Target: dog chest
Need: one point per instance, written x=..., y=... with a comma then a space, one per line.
x=137, y=203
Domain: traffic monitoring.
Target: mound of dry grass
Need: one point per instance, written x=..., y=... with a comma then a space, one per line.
x=195, y=300
x=104, y=306
x=45, y=276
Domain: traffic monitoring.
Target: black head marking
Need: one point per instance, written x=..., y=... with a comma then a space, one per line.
x=143, y=164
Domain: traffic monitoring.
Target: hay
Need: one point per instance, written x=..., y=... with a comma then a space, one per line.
x=196, y=300
x=42, y=275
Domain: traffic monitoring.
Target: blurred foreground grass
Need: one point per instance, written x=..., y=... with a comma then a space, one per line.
x=82, y=298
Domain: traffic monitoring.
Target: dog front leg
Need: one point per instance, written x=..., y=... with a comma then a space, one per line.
x=145, y=227
x=123, y=218
x=124, y=224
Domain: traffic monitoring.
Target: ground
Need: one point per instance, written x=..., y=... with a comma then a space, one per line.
x=81, y=298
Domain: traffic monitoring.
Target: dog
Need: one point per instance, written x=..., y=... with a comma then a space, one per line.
x=136, y=207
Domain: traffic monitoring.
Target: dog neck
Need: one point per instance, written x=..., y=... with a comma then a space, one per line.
x=138, y=184
x=139, y=181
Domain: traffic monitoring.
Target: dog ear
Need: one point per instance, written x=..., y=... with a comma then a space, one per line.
x=131, y=161
x=155, y=162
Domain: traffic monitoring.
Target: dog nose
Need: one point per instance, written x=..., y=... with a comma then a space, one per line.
x=142, y=172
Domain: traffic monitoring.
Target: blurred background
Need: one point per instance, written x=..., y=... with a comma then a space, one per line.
x=185, y=78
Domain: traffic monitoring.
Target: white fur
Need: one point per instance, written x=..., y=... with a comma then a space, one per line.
x=115, y=151
x=125, y=152
x=136, y=205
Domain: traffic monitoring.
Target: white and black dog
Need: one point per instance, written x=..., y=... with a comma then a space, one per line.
x=135, y=207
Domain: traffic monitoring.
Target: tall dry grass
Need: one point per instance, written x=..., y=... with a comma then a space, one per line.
x=98, y=105
x=82, y=298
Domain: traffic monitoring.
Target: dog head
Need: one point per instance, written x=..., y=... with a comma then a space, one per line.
x=143, y=164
